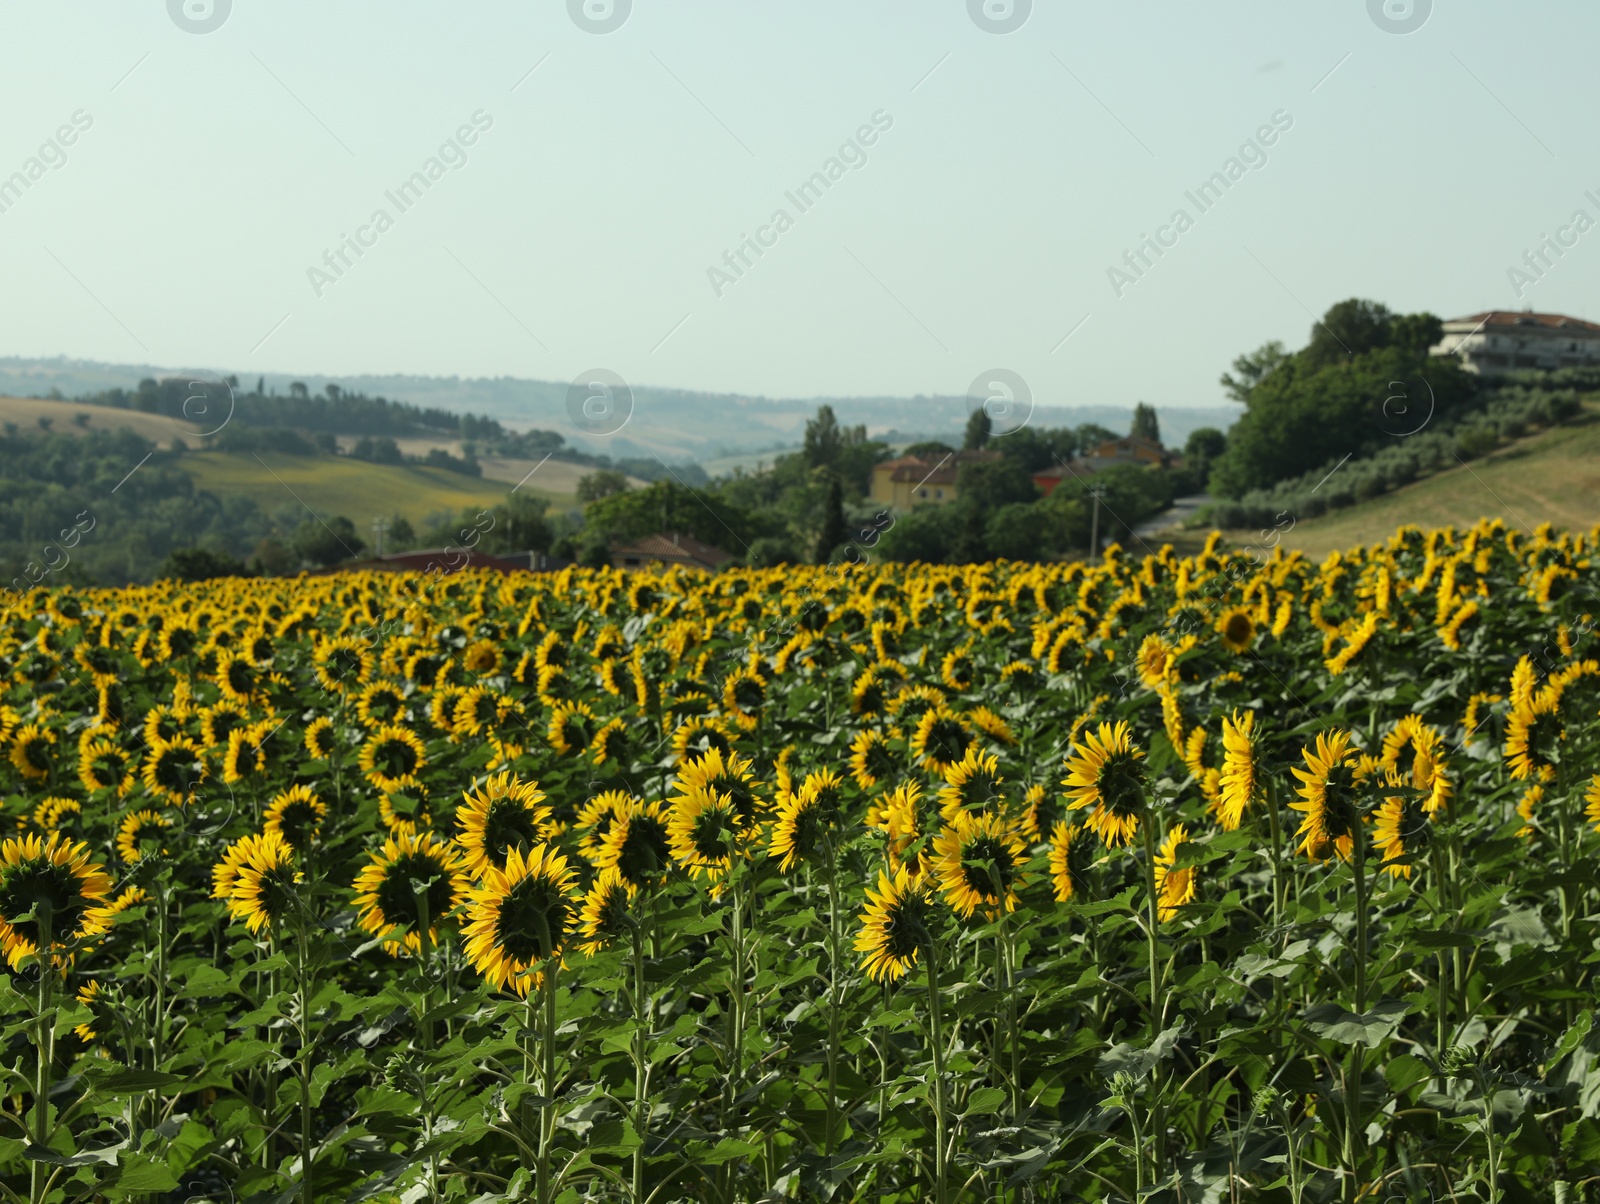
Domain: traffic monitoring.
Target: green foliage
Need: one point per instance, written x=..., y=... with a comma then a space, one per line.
x=1359, y=383
x=979, y=428
x=198, y=564
x=604, y=483
x=326, y=542
x=1145, y=423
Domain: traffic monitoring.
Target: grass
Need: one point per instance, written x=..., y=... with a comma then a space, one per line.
x=1552, y=476
x=358, y=490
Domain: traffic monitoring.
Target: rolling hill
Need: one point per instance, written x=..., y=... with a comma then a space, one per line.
x=1552, y=476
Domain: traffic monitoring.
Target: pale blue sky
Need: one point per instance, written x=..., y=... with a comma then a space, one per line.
x=978, y=234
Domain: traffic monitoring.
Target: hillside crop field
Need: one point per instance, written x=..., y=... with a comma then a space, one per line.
x=1219, y=878
x=337, y=485
x=1550, y=477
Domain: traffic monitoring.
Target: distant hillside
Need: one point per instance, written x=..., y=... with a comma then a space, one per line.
x=1552, y=476
x=673, y=424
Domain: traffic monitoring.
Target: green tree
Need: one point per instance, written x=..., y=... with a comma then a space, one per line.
x=603, y=483
x=1348, y=329
x=833, y=528
x=979, y=427
x=327, y=543
x=199, y=564
x=520, y=525
x=1252, y=367
x=1145, y=423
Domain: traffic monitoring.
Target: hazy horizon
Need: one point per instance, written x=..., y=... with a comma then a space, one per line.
x=995, y=203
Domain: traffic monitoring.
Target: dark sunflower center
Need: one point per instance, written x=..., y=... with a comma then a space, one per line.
x=1340, y=814
x=708, y=830
x=738, y=792
x=1122, y=785
x=508, y=826
x=948, y=740
x=395, y=758
x=1238, y=628
x=986, y=868
x=644, y=850
x=298, y=823
x=177, y=770
x=905, y=928
x=533, y=920
x=397, y=896
x=34, y=751
x=750, y=695
x=51, y=893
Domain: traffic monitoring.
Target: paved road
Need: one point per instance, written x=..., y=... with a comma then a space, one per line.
x=1181, y=510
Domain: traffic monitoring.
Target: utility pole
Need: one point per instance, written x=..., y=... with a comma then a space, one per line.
x=379, y=527
x=1094, y=523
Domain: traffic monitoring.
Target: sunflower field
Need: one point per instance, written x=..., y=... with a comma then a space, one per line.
x=1224, y=878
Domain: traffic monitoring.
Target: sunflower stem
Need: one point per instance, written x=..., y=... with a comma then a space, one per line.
x=1157, y=1006
x=547, y=1082
x=46, y=1053
x=641, y=1065
x=834, y=1002
x=936, y=1036
x=1352, y=1089
x=304, y=984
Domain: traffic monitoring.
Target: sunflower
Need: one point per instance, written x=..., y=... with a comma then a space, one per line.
x=596, y=817
x=413, y=871
x=104, y=765
x=296, y=814
x=913, y=702
x=174, y=769
x=1355, y=641
x=572, y=727
x=49, y=879
x=52, y=812
x=320, y=740
x=991, y=725
x=1174, y=886
x=1154, y=662
x=235, y=676
x=136, y=828
x=1332, y=811
x=30, y=751
x=379, y=703
x=1531, y=798
x=258, y=880
x=612, y=743
x=744, y=694
x=1399, y=831
x=972, y=785
x=343, y=665
x=636, y=844
x=246, y=752
x=895, y=926
x=956, y=670
x=697, y=736
x=391, y=753
x=1237, y=629
x=521, y=917
x=941, y=739
x=978, y=860
x=730, y=777
x=1238, y=781
x=91, y=996
x=1533, y=737
x=1069, y=862
x=481, y=657
x=1104, y=773
x=605, y=910
x=871, y=759
x=403, y=807
x=218, y=722
x=800, y=827
x=702, y=833
x=503, y=814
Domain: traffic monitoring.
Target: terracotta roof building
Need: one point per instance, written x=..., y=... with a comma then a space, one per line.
x=1498, y=341
x=1129, y=449
x=669, y=548
x=912, y=481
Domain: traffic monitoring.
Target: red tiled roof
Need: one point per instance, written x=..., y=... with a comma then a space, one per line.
x=672, y=547
x=934, y=470
x=1512, y=318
